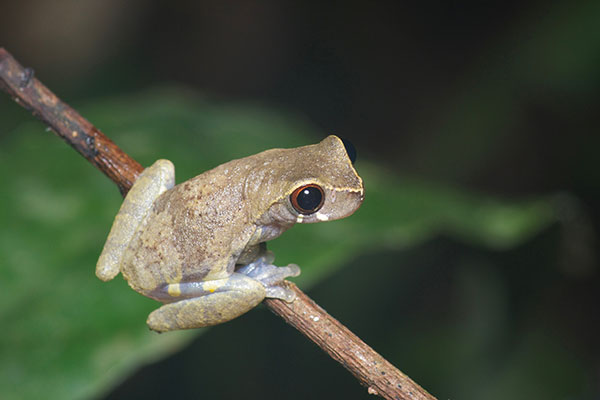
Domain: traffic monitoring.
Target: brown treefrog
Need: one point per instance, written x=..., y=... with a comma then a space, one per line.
x=199, y=248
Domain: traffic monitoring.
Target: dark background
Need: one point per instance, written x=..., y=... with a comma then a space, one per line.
x=498, y=97
x=386, y=74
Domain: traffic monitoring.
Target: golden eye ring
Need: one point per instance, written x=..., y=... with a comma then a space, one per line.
x=308, y=199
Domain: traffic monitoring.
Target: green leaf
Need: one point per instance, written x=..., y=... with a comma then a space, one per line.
x=68, y=335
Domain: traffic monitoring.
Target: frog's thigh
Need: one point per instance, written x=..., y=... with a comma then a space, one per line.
x=219, y=301
x=151, y=183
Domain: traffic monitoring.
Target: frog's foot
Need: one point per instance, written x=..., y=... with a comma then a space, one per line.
x=271, y=276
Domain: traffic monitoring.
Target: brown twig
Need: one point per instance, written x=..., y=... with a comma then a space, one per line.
x=369, y=367
x=373, y=371
x=67, y=123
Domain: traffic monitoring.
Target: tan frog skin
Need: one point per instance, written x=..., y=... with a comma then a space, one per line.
x=199, y=246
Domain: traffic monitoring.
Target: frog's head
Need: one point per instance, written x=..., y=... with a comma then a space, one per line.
x=311, y=183
x=330, y=188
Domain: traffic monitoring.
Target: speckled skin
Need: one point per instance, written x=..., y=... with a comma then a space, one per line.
x=185, y=245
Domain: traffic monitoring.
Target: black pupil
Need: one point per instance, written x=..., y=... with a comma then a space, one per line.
x=309, y=198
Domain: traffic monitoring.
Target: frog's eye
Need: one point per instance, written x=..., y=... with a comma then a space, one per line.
x=307, y=199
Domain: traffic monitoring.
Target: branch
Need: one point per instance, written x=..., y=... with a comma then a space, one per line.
x=67, y=123
x=372, y=370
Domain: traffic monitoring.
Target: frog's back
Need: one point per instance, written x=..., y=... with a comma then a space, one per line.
x=188, y=234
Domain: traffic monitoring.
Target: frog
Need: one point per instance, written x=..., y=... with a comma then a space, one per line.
x=199, y=247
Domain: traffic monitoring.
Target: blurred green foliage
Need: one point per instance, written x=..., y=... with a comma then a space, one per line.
x=65, y=334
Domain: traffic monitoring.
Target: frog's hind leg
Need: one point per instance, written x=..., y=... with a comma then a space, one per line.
x=206, y=303
x=151, y=183
x=214, y=302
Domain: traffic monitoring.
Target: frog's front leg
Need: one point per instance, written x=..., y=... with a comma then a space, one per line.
x=210, y=303
x=151, y=183
x=271, y=275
